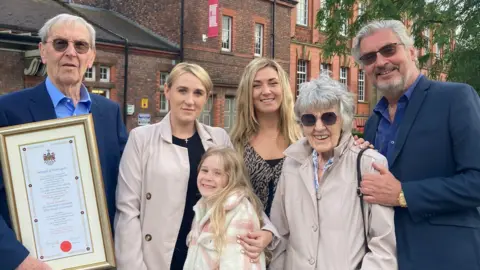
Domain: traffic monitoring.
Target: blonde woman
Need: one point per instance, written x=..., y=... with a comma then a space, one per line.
x=157, y=182
x=228, y=207
x=265, y=125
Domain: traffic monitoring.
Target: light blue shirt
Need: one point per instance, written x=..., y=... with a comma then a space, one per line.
x=315, y=168
x=64, y=105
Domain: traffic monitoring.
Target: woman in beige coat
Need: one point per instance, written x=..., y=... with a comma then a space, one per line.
x=157, y=186
x=316, y=209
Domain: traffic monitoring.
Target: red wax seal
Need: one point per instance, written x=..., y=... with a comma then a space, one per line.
x=66, y=246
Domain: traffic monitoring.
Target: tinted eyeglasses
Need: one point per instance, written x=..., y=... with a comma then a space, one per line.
x=328, y=119
x=60, y=45
x=386, y=51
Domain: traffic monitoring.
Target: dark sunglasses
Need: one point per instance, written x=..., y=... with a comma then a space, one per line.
x=60, y=45
x=328, y=119
x=386, y=51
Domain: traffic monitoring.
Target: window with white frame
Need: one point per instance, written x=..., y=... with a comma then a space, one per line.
x=258, y=39
x=301, y=73
x=90, y=74
x=324, y=67
x=323, y=6
x=104, y=74
x=361, y=8
x=361, y=86
x=302, y=12
x=426, y=36
x=437, y=50
x=229, y=115
x=343, y=75
x=163, y=98
x=206, y=115
x=101, y=92
x=227, y=33
x=344, y=29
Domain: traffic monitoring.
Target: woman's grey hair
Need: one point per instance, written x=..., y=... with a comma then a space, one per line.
x=326, y=93
x=64, y=19
x=397, y=27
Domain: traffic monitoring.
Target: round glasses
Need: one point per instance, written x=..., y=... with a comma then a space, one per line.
x=386, y=51
x=328, y=119
x=60, y=45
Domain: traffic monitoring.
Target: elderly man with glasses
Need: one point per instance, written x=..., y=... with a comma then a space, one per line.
x=429, y=131
x=67, y=48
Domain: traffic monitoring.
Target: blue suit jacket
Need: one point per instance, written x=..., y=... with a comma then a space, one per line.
x=34, y=104
x=437, y=159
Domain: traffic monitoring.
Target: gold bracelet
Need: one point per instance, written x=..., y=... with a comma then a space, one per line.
x=401, y=199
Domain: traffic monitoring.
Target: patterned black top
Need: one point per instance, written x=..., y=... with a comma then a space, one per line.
x=264, y=175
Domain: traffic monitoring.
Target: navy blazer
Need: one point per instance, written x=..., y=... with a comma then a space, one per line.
x=34, y=104
x=437, y=159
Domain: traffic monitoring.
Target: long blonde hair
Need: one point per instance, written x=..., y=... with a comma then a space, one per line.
x=246, y=124
x=238, y=181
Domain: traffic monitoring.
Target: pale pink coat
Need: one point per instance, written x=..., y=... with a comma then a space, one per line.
x=240, y=219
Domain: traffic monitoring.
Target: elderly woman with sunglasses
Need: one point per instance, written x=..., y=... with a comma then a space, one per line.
x=322, y=221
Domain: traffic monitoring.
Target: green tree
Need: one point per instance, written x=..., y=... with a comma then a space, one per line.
x=445, y=20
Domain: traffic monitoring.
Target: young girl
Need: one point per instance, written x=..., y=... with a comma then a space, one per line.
x=228, y=208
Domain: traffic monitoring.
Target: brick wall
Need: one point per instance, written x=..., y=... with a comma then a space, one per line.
x=225, y=68
x=312, y=54
x=11, y=71
x=143, y=78
x=161, y=17
x=305, y=45
x=143, y=81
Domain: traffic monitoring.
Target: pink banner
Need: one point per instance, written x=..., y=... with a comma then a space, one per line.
x=212, y=18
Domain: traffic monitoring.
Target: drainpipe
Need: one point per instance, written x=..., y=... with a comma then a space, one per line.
x=125, y=70
x=182, y=14
x=273, y=28
x=125, y=82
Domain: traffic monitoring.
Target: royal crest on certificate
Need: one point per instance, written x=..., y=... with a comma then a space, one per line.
x=56, y=199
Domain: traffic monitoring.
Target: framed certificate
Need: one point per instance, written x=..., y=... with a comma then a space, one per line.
x=55, y=192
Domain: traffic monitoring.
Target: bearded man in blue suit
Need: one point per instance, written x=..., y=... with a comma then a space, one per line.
x=429, y=131
x=67, y=47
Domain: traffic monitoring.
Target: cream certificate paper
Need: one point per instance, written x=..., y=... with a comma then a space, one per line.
x=56, y=199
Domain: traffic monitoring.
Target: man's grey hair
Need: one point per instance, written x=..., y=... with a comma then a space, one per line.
x=64, y=19
x=326, y=93
x=397, y=27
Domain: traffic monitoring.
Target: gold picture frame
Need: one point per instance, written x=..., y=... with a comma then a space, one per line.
x=51, y=172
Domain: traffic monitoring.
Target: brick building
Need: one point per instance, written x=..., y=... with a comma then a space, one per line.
x=245, y=32
x=150, y=55
x=306, y=60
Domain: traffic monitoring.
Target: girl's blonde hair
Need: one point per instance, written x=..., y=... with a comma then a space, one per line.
x=193, y=69
x=246, y=124
x=237, y=181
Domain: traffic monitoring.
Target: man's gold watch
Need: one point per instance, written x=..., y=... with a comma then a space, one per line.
x=401, y=199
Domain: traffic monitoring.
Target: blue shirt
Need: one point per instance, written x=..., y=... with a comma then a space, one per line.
x=315, y=168
x=387, y=131
x=64, y=105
